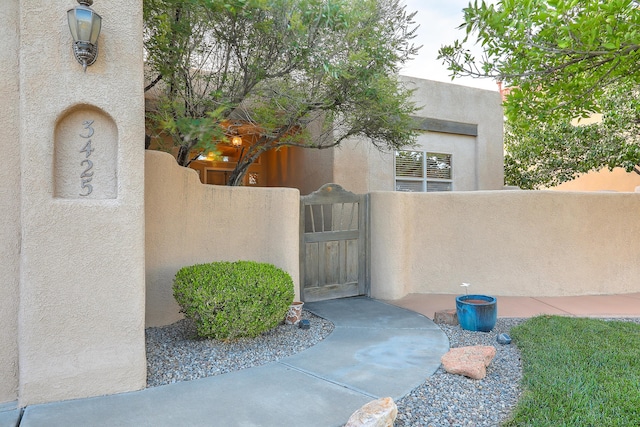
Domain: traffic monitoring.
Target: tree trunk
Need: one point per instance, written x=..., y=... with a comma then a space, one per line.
x=238, y=174
x=243, y=166
x=183, y=156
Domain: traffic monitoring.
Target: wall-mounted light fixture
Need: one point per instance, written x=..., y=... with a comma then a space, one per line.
x=85, y=25
x=236, y=141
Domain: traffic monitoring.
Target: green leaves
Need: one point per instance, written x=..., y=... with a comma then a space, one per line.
x=546, y=153
x=566, y=49
x=228, y=300
x=562, y=60
x=279, y=65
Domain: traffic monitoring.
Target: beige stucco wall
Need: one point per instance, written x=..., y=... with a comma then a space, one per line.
x=477, y=161
x=603, y=180
x=81, y=310
x=512, y=243
x=360, y=167
x=189, y=223
x=306, y=169
x=9, y=200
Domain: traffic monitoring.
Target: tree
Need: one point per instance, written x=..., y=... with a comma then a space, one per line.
x=278, y=66
x=562, y=60
x=548, y=153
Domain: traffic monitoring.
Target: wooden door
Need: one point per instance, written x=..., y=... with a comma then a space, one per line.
x=333, y=244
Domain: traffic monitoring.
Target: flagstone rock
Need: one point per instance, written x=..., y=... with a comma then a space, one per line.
x=377, y=413
x=471, y=361
x=446, y=317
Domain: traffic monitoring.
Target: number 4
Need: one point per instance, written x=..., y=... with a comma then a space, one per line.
x=87, y=149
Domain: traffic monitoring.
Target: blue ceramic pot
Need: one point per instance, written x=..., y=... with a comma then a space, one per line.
x=477, y=312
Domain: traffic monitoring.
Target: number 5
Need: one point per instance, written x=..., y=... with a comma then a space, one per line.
x=87, y=186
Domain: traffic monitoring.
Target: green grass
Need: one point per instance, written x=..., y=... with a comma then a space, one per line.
x=578, y=372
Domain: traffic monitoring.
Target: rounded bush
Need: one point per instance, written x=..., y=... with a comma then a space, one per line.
x=229, y=300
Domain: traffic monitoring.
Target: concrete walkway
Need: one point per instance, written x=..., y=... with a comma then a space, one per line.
x=376, y=350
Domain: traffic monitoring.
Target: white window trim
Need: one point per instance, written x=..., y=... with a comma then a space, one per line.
x=424, y=180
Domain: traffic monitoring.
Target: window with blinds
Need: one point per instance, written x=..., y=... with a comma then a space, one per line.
x=420, y=171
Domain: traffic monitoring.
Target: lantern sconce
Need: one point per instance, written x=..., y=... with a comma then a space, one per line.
x=85, y=25
x=236, y=141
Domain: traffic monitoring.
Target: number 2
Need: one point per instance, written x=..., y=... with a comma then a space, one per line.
x=85, y=173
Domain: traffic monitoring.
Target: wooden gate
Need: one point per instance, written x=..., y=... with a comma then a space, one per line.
x=333, y=244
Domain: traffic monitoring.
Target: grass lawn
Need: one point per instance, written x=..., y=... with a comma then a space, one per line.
x=578, y=372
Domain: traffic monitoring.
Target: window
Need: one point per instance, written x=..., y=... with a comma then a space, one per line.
x=420, y=171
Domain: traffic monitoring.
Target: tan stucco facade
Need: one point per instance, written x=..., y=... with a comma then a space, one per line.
x=192, y=223
x=9, y=199
x=477, y=159
x=75, y=292
x=603, y=180
x=511, y=243
x=72, y=263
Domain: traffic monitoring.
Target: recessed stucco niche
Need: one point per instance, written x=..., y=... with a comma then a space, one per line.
x=86, y=155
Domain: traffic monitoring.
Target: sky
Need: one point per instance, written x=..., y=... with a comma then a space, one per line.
x=438, y=20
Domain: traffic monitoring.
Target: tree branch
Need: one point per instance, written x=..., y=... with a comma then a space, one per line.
x=153, y=83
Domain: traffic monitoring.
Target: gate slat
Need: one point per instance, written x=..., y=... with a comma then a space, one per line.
x=333, y=259
x=331, y=235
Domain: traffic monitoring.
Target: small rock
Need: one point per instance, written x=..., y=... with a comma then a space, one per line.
x=446, y=317
x=471, y=361
x=378, y=413
x=304, y=324
x=503, y=339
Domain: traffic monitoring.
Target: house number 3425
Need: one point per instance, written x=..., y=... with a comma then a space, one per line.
x=86, y=176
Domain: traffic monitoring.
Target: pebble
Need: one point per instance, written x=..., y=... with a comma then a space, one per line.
x=443, y=400
x=503, y=339
x=454, y=400
x=446, y=400
x=175, y=354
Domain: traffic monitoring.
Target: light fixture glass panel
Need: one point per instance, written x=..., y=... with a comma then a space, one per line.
x=95, y=29
x=71, y=18
x=84, y=18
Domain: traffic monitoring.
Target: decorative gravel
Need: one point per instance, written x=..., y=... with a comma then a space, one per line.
x=454, y=400
x=443, y=400
x=174, y=353
x=447, y=400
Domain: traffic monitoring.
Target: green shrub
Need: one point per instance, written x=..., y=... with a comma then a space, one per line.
x=229, y=300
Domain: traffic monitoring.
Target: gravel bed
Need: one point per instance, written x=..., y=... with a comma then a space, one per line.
x=454, y=400
x=443, y=400
x=174, y=353
x=446, y=400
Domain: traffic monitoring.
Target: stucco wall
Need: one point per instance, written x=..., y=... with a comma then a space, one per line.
x=464, y=104
x=603, y=180
x=9, y=201
x=477, y=160
x=189, y=223
x=81, y=311
x=512, y=243
x=306, y=169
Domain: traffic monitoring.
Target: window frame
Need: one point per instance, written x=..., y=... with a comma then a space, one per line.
x=424, y=179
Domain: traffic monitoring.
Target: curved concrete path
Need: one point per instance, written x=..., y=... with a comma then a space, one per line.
x=376, y=350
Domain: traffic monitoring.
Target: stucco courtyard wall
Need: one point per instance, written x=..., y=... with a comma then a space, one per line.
x=71, y=263
x=9, y=200
x=511, y=243
x=191, y=223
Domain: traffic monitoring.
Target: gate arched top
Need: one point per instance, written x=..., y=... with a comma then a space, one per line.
x=331, y=193
x=333, y=244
